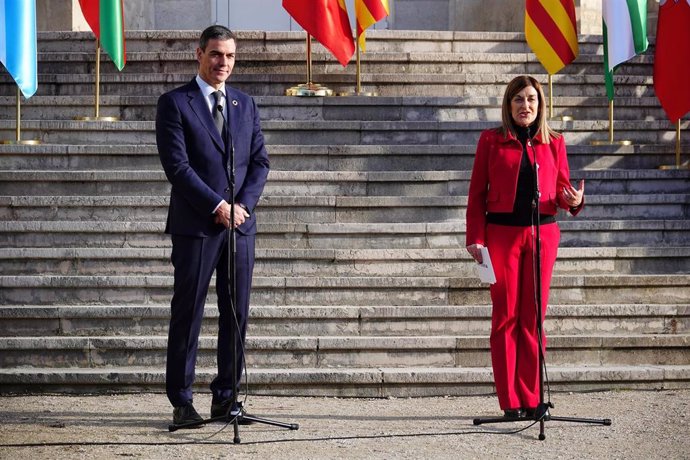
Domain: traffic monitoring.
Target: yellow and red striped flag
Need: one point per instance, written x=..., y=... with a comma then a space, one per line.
x=551, y=32
x=368, y=13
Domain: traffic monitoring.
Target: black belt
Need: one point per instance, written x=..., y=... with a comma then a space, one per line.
x=517, y=220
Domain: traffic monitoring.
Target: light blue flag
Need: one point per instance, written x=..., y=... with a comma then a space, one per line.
x=18, y=43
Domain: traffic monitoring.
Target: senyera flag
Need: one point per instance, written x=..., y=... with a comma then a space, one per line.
x=672, y=58
x=328, y=22
x=551, y=32
x=18, y=43
x=368, y=13
x=107, y=21
x=625, y=34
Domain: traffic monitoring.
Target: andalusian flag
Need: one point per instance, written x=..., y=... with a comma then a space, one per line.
x=328, y=22
x=107, y=21
x=368, y=13
x=625, y=34
x=551, y=32
x=18, y=43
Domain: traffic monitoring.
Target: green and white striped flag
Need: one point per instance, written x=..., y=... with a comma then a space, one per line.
x=625, y=34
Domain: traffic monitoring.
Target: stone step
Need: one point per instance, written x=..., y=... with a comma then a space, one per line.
x=319, y=290
x=345, y=351
x=341, y=320
x=409, y=41
x=459, y=61
x=346, y=382
x=337, y=262
x=328, y=157
x=117, y=234
x=382, y=108
x=425, y=84
x=319, y=183
x=325, y=209
x=350, y=132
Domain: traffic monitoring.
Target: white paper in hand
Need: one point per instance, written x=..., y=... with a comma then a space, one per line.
x=485, y=270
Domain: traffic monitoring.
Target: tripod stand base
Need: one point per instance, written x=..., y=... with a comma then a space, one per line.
x=541, y=415
x=236, y=420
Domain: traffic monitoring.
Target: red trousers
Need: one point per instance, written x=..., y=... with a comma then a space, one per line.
x=514, y=343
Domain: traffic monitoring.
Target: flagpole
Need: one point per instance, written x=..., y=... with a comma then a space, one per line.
x=309, y=88
x=550, y=97
x=610, y=141
x=309, y=69
x=358, y=86
x=18, y=129
x=97, y=91
x=611, y=121
x=678, y=165
x=562, y=117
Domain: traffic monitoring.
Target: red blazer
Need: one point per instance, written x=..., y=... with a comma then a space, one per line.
x=495, y=175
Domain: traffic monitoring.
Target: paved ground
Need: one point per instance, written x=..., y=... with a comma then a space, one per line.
x=646, y=425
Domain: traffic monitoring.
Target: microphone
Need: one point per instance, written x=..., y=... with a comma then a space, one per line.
x=530, y=144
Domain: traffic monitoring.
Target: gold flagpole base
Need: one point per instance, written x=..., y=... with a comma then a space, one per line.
x=682, y=166
x=623, y=142
x=309, y=90
x=360, y=93
x=97, y=118
x=21, y=142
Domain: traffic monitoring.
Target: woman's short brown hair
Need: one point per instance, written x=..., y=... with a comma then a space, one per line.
x=516, y=85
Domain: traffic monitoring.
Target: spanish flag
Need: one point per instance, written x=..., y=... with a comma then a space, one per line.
x=328, y=22
x=551, y=32
x=107, y=21
x=368, y=13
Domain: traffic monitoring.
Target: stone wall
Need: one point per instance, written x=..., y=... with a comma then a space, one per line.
x=465, y=15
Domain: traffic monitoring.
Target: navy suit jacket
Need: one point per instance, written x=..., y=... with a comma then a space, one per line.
x=195, y=159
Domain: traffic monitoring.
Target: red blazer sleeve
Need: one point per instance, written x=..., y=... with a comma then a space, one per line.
x=563, y=179
x=479, y=187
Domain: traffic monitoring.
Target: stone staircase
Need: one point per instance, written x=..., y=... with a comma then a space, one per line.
x=362, y=283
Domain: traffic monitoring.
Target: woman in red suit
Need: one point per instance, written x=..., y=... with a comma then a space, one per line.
x=501, y=213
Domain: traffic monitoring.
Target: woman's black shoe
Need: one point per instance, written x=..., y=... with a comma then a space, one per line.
x=513, y=413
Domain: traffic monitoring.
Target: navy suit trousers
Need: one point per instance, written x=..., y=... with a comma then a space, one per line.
x=194, y=260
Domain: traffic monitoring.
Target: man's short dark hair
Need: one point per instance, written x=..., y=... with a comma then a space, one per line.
x=215, y=32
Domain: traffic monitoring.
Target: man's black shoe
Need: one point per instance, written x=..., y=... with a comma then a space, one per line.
x=221, y=410
x=186, y=414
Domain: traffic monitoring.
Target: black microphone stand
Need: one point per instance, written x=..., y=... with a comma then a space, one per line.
x=541, y=414
x=228, y=416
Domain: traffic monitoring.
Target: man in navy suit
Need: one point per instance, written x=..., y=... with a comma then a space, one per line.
x=198, y=132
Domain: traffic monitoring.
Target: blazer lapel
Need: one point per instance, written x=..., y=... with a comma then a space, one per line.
x=234, y=112
x=200, y=108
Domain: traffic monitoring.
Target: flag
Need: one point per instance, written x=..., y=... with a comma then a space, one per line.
x=672, y=58
x=551, y=32
x=107, y=21
x=328, y=22
x=625, y=34
x=368, y=13
x=18, y=43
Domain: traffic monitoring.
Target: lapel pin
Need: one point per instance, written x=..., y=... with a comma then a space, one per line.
x=234, y=102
